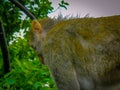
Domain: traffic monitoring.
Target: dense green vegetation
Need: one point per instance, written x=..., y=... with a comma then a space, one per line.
x=27, y=73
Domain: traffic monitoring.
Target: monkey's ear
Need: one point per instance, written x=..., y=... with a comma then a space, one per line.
x=36, y=26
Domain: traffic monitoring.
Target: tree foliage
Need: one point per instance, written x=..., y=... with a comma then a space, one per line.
x=27, y=73
x=14, y=19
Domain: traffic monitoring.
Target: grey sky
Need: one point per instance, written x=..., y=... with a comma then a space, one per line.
x=96, y=8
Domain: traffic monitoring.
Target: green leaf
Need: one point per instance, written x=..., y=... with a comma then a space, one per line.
x=37, y=84
x=45, y=88
x=61, y=5
x=62, y=2
x=11, y=81
x=66, y=3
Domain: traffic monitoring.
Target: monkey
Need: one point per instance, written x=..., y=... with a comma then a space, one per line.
x=81, y=53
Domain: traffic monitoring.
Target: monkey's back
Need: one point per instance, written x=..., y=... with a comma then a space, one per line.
x=92, y=45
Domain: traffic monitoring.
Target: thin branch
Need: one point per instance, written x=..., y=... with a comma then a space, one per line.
x=24, y=9
x=4, y=49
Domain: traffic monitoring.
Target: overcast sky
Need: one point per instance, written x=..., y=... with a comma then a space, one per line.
x=96, y=8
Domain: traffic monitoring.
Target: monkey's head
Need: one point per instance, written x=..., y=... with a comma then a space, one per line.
x=37, y=35
x=38, y=32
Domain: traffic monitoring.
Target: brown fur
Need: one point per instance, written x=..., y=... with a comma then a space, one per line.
x=82, y=54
